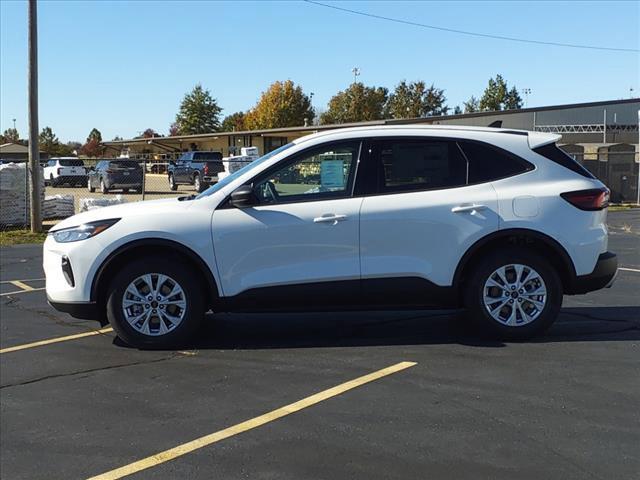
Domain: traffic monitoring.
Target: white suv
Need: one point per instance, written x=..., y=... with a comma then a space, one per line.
x=498, y=221
x=61, y=170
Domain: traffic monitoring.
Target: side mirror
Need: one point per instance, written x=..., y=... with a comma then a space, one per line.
x=243, y=197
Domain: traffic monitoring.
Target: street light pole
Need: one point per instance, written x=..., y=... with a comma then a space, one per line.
x=34, y=150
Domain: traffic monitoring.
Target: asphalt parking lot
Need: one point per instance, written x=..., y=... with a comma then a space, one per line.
x=566, y=405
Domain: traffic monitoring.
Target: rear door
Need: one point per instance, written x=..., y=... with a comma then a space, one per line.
x=422, y=217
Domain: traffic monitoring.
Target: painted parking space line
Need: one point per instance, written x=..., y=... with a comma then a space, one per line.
x=23, y=286
x=50, y=341
x=627, y=269
x=25, y=280
x=15, y=292
x=185, y=448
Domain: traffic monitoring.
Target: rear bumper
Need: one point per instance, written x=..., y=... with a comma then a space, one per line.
x=603, y=275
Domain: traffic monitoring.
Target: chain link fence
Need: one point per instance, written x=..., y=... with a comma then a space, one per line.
x=94, y=183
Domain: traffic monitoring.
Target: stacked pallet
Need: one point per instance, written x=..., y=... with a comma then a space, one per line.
x=58, y=206
x=14, y=194
x=87, y=204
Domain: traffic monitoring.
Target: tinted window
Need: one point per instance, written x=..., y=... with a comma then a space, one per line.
x=421, y=165
x=326, y=172
x=207, y=156
x=125, y=164
x=487, y=163
x=553, y=153
x=72, y=163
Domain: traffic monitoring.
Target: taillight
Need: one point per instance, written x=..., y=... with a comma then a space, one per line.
x=59, y=171
x=593, y=199
x=205, y=170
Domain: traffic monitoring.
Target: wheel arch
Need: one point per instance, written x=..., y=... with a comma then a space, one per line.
x=147, y=246
x=538, y=241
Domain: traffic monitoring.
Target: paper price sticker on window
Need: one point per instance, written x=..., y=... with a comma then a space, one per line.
x=332, y=174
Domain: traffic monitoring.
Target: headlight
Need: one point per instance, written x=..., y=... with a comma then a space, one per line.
x=82, y=232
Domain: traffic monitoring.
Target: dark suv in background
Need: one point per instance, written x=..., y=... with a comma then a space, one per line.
x=199, y=169
x=115, y=174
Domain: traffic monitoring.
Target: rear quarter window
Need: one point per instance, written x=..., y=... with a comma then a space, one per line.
x=487, y=163
x=555, y=154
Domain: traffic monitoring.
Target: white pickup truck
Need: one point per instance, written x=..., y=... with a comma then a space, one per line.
x=62, y=170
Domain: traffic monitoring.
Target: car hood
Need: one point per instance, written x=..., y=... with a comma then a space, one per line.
x=149, y=207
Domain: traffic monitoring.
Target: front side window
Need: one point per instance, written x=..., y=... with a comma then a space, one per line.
x=323, y=173
x=409, y=164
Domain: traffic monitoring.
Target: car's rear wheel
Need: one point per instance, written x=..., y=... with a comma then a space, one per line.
x=513, y=294
x=103, y=186
x=153, y=303
x=90, y=186
x=172, y=183
x=52, y=181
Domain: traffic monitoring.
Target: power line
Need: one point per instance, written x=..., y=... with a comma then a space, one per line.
x=474, y=34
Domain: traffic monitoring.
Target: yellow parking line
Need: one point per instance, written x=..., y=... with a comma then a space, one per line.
x=21, y=291
x=19, y=284
x=55, y=340
x=23, y=280
x=201, y=442
x=626, y=269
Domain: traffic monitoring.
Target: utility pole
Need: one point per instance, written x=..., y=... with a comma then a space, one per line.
x=34, y=150
x=527, y=92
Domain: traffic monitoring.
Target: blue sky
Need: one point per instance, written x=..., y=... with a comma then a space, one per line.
x=124, y=66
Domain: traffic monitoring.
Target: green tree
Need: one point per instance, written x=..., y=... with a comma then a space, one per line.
x=10, y=135
x=284, y=104
x=93, y=146
x=234, y=122
x=199, y=113
x=415, y=100
x=513, y=100
x=357, y=103
x=472, y=105
x=457, y=110
x=49, y=142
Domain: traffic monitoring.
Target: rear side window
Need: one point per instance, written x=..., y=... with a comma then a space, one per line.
x=487, y=163
x=207, y=156
x=125, y=164
x=420, y=165
x=553, y=153
x=72, y=163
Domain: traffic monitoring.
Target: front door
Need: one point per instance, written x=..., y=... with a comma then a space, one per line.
x=299, y=243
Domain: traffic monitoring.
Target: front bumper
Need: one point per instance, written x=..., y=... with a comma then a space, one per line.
x=603, y=275
x=82, y=310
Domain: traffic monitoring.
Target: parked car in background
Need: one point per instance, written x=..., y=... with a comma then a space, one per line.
x=61, y=170
x=498, y=221
x=199, y=169
x=118, y=174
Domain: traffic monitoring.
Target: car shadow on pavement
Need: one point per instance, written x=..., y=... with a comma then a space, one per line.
x=359, y=329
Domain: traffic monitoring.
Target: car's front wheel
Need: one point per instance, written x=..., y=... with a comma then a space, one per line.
x=197, y=183
x=103, y=187
x=155, y=304
x=513, y=294
x=172, y=183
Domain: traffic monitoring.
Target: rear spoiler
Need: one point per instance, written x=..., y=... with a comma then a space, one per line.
x=540, y=139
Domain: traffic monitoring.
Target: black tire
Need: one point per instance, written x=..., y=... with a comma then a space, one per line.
x=194, y=299
x=103, y=186
x=172, y=183
x=52, y=181
x=478, y=313
x=90, y=187
x=197, y=183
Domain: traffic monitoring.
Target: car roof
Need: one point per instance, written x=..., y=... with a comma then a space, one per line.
x=535, y=139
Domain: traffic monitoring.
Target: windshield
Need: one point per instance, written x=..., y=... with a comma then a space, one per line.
x=227, y=180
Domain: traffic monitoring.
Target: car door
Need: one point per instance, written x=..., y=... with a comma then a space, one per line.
x=298, y=244
x=421, y=218
x=94, y=175
x=178, y=170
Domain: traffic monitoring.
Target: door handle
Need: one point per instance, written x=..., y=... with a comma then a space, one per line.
x=333, y=219
x=468, y=208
